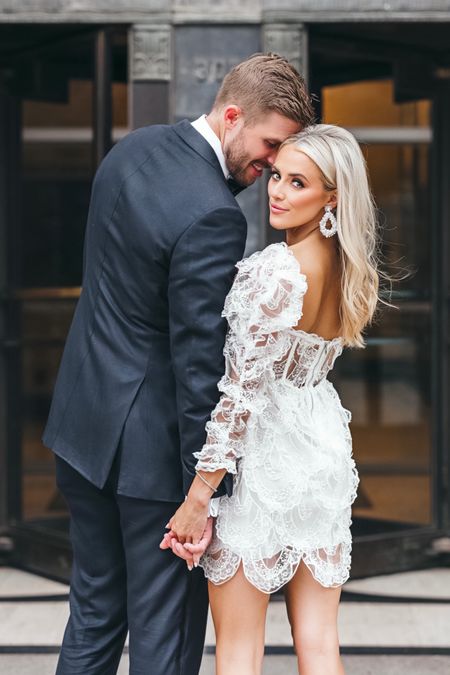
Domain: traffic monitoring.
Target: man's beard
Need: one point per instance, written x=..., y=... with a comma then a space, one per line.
x=238, y=161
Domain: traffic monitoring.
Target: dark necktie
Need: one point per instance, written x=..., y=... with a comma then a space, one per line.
x=234, y=186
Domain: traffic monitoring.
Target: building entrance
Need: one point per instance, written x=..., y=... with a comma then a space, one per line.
x=63, y=101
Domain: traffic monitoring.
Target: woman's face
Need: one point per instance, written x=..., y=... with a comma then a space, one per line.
x=297, y=196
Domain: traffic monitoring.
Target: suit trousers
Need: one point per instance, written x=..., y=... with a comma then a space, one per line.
x=121, y=581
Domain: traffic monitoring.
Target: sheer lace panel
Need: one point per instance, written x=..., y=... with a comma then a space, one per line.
x=265, y=300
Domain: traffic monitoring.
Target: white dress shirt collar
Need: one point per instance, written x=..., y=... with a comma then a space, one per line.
x=201, y=125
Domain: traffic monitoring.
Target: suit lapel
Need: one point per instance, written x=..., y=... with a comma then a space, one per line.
x=186, y=131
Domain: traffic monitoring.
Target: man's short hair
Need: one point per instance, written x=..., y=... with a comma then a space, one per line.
x=266, y=83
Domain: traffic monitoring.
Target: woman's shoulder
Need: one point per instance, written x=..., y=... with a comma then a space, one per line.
x=268, y=290
x=274, y=258
x=266, y=270
x=310, y=261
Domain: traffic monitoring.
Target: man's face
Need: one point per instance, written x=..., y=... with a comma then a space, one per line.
x=249, y=149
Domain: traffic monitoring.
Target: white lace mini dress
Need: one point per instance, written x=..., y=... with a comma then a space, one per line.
x=280, y=428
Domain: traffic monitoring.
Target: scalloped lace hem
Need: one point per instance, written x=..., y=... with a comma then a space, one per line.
x=330, y=567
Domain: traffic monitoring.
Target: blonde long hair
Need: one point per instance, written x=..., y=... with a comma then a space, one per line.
x=339, y=158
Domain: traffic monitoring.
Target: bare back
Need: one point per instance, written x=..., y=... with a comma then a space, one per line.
x=319, y=261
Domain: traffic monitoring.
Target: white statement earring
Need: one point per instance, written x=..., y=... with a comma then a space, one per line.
x=328, y=216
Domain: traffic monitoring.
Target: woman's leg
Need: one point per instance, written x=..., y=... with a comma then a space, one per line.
x=312, y=611
x=239, y=615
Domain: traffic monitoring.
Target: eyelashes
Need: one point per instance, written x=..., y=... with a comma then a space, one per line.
x=296, y=182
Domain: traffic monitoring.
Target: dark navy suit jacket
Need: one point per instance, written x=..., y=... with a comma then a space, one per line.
x=144, y=352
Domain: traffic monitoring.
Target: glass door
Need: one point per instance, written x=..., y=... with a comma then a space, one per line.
x=388, y=386
x=58, y=156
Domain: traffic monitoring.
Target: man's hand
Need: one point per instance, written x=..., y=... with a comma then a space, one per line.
x=189, y=552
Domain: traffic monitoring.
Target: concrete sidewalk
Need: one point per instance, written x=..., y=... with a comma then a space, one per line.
x=274, y=665
x=389, y=625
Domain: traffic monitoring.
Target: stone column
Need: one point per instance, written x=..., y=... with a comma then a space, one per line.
x=150, y=73
x=289, y=40
x=204, y=54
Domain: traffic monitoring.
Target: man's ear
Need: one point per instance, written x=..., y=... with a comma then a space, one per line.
x=232, y=114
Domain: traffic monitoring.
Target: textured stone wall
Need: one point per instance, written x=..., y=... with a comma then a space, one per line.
x=355, y=10
x=220, y=10
x=352, y=5
x=130, y=10
x=74, y=6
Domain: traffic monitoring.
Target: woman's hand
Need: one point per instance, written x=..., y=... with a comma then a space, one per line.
x=191, y=553
x=189, y=522
x=197, y=550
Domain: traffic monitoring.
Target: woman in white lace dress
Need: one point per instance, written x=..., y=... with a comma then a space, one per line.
x=279, y=427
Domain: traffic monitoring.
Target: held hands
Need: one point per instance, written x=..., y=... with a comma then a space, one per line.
x=189, y=552
x=190, y=528
x=190, y=531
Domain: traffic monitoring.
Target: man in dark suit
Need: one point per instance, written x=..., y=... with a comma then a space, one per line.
x=138, y=377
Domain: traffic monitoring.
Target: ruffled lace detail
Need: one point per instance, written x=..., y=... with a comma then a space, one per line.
x=281, y=429
x=266, y=298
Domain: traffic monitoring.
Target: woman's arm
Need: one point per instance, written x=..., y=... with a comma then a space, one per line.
x=265, y=299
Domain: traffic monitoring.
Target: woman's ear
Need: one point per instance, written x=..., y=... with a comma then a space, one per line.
x=332, y=201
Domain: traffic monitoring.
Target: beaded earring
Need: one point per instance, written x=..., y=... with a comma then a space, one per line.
x=328, y=216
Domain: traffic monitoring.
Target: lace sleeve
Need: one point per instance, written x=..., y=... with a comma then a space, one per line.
x=265, y=300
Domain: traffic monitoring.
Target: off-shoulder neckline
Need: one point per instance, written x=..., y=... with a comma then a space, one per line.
x=299, y=331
